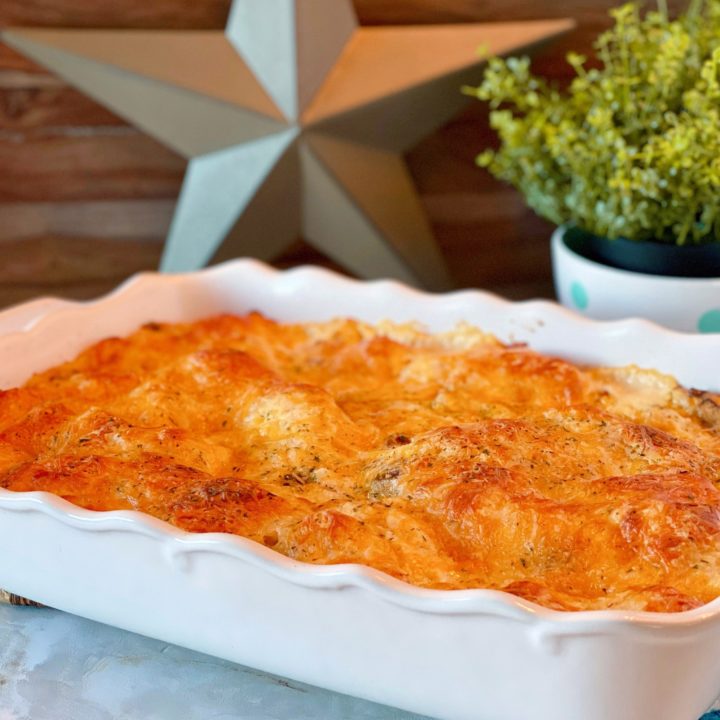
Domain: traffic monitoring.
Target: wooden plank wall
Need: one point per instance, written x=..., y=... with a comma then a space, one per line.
x=85, y=199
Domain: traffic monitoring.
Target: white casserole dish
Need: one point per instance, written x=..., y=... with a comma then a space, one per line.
x=457, y=655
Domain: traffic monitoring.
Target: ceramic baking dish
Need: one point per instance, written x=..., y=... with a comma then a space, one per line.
x=457, y=655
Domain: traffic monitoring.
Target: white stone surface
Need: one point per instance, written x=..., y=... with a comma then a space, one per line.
x=55, y=666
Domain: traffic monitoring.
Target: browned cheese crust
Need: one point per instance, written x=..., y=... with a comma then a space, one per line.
x=448, y=461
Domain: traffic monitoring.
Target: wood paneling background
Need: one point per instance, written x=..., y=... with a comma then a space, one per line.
x=85, y=199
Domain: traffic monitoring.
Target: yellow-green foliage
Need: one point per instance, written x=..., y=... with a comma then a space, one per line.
x=631, y=149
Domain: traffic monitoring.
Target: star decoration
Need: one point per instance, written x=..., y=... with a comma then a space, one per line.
x=294, y=121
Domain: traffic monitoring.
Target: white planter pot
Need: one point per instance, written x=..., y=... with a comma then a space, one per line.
x=602, y=292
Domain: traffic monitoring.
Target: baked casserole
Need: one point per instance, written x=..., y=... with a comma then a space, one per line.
x=448, y=461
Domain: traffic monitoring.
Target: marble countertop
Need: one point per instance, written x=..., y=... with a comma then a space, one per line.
x=55, y=666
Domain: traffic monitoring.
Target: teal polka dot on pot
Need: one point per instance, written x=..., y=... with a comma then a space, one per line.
x=579, y=296
x=710, y=322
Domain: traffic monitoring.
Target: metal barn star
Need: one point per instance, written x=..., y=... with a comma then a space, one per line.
x=294, y=121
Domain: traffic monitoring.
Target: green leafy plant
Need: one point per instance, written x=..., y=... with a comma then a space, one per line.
x=632, y=148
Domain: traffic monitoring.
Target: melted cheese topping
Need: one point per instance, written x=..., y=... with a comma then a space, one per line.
x=448, y=461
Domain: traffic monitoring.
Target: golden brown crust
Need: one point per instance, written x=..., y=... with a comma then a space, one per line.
x=448, y=461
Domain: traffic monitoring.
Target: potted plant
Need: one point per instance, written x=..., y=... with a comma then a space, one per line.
x=626, y=162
